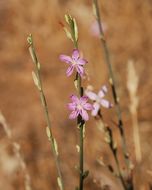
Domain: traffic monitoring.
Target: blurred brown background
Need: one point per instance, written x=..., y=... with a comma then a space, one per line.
x=128, y=32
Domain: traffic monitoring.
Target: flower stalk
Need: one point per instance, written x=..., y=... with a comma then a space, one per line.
x=112, y=82
x=80, y=122
x=38, y=82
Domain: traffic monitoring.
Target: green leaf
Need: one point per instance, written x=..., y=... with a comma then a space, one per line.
x=75, y=29
x=48, y=132
x=29, y=39
x=35, y=78
x=66, y=16
x=59, y=183
x=68, y=34
x=78, y=148
x=36, y=81
x=94, y=10
x=56, y=147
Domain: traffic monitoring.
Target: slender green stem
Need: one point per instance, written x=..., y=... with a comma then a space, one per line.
x=112, y=82
x=81, y=158
x=80, y=124
x=119, y=171
x=39, y=85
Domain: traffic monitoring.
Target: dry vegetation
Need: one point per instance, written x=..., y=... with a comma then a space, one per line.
x=128, y=34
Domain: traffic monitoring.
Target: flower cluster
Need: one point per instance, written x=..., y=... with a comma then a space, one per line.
x=80, y=106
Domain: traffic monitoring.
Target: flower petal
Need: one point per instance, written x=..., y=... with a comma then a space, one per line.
x=65, y=58
x=75, y=54
x=96, y=107
x=69, y=70
x=82, y=61
x=80, y=70
x=74, y=99
x=73, y=114
x=88, y=106
x=71, y=106
x=105, y=103
x=91, y=95
x=84, y=115
x=102, y=92
x=84, y=99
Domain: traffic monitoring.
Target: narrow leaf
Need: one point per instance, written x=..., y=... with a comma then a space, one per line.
x=59, y=183
x=56, y=147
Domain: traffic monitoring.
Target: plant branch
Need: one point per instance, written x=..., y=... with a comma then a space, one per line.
x=38, y=83
x=112, y=82
x=113, y=148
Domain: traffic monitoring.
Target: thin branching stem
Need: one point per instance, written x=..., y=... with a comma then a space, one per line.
x=38, y=82
x=112, y=82
x=113, y=149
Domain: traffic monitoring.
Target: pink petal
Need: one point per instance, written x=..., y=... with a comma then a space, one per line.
x=74, y=99
x=103, y=91
x=91, y=95
x=82, y=61
x=80, y=70
x=96, y=107
x=75, y=54
x=65, y=58
x=88, y=106
x=105, y=103
x=71, y=106
x=84, y=115
x=83, y=99
x=69, y=70
x=73, y=114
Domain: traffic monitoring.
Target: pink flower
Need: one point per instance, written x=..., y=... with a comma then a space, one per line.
x=78, y=106
x=74, y=62
x=94, y=30
x=98, y=100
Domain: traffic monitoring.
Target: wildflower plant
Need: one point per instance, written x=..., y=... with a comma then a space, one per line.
x=79, y=105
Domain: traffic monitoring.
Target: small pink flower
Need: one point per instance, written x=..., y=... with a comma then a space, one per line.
x=78, y=106
x=94, y=30
x=74, y=62
x=98, y=100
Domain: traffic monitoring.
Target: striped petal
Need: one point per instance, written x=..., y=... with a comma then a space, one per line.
x=103, y=91
x=69, y=70
x=84, y=115
x=82, y=61
x=74, y=99
x=75, y=54
x=96, y=107
x=73, y=114
x=91, y=95
x=105, y=103
x=65, y=58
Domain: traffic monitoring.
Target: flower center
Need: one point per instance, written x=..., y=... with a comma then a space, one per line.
x=79, y=107
x=74, y=62
x=98, y=100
